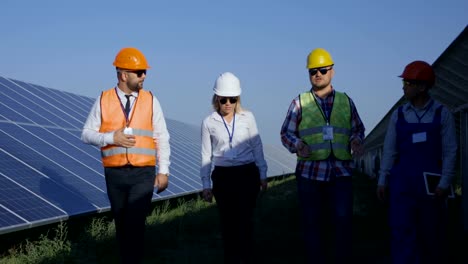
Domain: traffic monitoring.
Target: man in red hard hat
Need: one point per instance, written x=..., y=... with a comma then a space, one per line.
x=418, y=165
x=127, y=122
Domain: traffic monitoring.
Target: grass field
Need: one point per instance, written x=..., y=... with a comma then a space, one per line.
x=186, y=231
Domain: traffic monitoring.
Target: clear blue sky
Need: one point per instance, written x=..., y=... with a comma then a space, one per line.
x=70, y=46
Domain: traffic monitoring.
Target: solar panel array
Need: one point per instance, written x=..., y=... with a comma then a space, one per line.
x=48, y=174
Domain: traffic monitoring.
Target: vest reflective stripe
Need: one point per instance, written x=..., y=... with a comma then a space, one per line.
x=120, y=150
x=315, y=130
x=141, y=122
x=142, y=132
x=326, y=145
x=313, y=121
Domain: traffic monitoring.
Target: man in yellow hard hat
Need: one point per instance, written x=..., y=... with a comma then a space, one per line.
x=323, y=128
x=128, y=124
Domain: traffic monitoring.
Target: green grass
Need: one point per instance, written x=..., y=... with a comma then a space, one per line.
x=187, y=231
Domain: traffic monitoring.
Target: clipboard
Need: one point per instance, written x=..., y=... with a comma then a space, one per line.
x=431, y=180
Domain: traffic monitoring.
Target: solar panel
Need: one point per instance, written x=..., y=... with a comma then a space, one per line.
x=48, y=174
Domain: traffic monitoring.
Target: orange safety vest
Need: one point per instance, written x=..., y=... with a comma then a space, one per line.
x=113, y=118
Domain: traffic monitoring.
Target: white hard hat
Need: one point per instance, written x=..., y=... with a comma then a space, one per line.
x=227, y=84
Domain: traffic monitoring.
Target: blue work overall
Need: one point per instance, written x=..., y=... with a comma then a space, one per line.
x=416, y=218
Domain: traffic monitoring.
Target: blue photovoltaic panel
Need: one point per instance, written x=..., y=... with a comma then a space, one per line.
x=25, y=203
x=48, y=174
x=8, y=219
x=47, y=178
x=280, y=161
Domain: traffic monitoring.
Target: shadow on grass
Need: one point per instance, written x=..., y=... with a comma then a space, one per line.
x=195, y=237
x=186, y=230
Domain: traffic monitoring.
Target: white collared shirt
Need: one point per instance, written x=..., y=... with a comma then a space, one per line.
x=216, y=151
x=91, y=134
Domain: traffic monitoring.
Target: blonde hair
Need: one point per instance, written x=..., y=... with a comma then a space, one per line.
x=215, y=103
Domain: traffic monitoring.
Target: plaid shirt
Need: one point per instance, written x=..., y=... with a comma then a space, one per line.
x=321, y=170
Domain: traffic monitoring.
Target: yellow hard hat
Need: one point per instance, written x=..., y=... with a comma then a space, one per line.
x=319, y=58
x=131, y=58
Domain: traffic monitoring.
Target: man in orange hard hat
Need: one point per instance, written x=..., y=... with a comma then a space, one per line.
x=324, y=129
x=127, y=122
x=420, y=145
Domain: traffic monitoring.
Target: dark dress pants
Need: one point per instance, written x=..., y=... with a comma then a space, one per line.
x=235, y=190
x=326, y=208
x=130, y=190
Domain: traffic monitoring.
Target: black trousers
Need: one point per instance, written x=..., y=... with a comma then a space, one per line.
x=235, y=190
x=130, y=190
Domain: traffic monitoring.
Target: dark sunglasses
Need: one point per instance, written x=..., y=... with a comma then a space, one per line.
x=322, y=71
x=224, y=100
x=139, y=73
x=411, y=82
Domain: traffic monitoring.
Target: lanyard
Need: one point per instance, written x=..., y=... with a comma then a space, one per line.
x=233, y=125
x=123, y=108
x=427, y=109
x=324, y=114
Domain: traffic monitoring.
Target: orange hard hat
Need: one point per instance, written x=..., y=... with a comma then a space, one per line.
x=131, y=58
x=419, y=71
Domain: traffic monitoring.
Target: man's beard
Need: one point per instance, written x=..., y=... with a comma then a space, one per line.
x=320, y=87
x=137, y=87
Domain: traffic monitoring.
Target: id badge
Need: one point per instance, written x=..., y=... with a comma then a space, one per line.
x=327, y=132
x=128, y=131
x=419, y=137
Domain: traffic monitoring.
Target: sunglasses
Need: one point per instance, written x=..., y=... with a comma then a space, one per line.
x=322, y=71
x=224, y=100
x=139, y=73
x=410, y=82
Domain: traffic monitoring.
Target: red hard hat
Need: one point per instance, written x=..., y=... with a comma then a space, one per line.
x=419, y=71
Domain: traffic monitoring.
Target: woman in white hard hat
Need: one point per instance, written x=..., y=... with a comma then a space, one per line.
x=231, y=144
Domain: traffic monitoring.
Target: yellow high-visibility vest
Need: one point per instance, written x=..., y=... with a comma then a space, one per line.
x=313, y=122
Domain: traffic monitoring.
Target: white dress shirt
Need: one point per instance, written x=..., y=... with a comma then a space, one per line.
x=216, y=150
x=91, y=134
